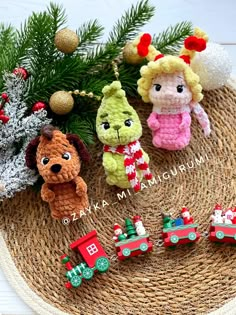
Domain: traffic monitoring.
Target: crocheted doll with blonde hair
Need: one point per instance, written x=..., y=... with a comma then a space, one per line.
x=173, y=88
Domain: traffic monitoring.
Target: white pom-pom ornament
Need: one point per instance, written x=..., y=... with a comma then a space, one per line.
x=213, y=65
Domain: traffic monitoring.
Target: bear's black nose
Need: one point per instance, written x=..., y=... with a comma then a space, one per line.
x=55, y=168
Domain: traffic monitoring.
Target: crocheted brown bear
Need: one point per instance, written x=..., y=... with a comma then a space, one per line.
x=57, y=157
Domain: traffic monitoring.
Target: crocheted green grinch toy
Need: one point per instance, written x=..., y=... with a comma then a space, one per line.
x=119, y=129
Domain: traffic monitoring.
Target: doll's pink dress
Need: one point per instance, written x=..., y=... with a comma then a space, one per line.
x=170, y=131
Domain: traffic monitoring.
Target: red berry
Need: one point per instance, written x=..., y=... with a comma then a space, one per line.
x=1, y=112
x=21, y=71
x=39, y=105
x=5, y=97
x=4, y=118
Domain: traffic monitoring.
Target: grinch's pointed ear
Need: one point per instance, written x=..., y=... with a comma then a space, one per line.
x=80, y=147
x=30, y=153
x=113, y=90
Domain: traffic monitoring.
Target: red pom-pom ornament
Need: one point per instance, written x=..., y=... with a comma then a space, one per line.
x=143, y=45
x=22, y=72
x=38, y=106
x=195, y=43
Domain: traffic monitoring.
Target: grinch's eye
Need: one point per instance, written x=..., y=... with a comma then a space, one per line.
x=105, y=125
x=66, y=156
x=44, y=160
x=180, y=88
x=157, y=87
x=128, y=122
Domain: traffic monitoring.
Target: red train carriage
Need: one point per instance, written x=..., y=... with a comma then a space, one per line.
x=223, y=233
x=133, y=247
x=90, y=248
x=182, y=234
x=94, y=256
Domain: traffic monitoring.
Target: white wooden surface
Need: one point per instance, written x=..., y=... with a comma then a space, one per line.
x=216, y=17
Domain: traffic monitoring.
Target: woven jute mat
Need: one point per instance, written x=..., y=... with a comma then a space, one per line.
x=187, y=280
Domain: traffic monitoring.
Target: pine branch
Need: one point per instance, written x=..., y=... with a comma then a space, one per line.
x=130, y=23
x=63, y=74
x=171, y=40
x=7, y=40
x=22, y=45
x=7, y=37
x=99, y=56
x=129, y=74
x=125, y=29
x=89, y=34
x=43, y=27
x=96, y=82
x=82, y=124
x=58, y=16
x=16, y=52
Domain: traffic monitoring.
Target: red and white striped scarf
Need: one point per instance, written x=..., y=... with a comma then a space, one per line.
x=132, y=155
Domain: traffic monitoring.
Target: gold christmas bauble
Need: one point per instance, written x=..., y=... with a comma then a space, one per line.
x=61, y=102
x=66, y=41
x=130, y=56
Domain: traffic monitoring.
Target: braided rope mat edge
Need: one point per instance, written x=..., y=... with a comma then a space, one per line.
x=20, y=286
x=39, y=305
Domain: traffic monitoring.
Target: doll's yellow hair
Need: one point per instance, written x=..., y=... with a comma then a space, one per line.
x=169, y=65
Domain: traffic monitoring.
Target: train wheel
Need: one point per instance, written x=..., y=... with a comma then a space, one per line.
x=192, y=236
x=126, y=252
x=220, y=235
x=102, y=264
x=143, y=247
x=87, y=273
x=174, y=239
x=76, y=281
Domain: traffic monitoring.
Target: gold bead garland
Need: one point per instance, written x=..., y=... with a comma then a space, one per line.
x=84, y=93
x=115, y=69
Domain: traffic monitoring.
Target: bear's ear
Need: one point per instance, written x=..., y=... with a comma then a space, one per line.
x=30, y=153
x=80, y=146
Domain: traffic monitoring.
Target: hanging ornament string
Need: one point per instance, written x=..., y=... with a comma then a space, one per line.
x=115, y=69
x=84, y=93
